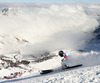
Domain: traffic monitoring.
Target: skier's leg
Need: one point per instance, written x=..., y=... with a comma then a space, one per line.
x=64, y=65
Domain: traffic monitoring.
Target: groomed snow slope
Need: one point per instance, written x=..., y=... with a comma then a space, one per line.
x=89, y=72
x=79, y=75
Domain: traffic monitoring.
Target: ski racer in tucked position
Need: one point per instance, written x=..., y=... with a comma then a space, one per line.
x=63, y=61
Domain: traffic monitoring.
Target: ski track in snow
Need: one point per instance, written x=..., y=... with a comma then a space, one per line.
x=81, y=75
x=89, y=72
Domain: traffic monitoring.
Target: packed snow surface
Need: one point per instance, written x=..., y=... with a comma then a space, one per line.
x=89, y=72
x=81, y=75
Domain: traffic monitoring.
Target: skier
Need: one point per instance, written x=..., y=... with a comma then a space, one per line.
x=63, y=61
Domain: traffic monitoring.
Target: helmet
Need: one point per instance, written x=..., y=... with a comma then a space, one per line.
x=61, y=53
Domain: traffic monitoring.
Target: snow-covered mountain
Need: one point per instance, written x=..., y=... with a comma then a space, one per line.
x=9, y=11
x=32, y=35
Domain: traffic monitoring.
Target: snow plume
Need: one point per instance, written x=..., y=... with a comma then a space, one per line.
x=49, y=28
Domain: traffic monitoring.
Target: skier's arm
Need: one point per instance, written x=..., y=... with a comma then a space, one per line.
x=65, y=57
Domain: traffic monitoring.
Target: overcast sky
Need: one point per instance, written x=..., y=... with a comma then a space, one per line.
x=52, y=1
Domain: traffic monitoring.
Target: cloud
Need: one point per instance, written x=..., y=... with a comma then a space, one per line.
x=49, y=28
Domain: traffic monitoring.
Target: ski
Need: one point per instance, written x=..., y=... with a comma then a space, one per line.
x=51, y=70
x=73, y=66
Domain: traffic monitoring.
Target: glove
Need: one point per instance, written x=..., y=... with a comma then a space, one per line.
x=63, y=59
